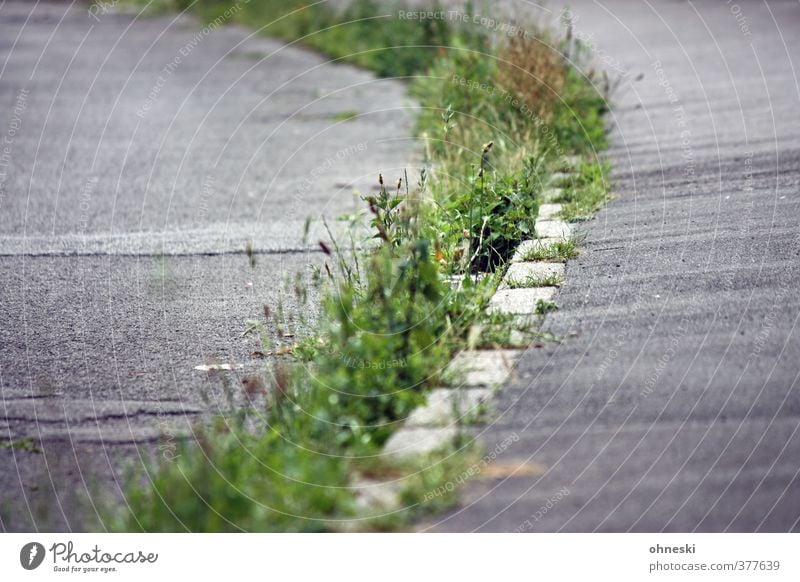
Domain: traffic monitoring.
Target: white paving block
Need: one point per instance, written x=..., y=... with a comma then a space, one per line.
x=572, y=161
x=446, y=406
x=520, y=301
x=557, y=229
x=380, y=495
x=549, y=211
x=482, y=367
x=519, y=273
x=418, y=441
x=558, y=177
x=551, y=194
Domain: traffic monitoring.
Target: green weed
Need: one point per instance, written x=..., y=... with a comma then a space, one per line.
x=584, y=191
x=24, y=444
x=346, y=115
x=544, y=306
x=551, y=280
x=560, y=251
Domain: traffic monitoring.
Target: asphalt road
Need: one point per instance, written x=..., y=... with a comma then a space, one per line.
x=674, y=405
x=139, y=156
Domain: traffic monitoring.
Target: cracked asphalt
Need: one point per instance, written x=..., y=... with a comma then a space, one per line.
x=673, y=404
x=140, y=156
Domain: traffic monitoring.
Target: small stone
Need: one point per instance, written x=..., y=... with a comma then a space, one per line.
x=215, y=368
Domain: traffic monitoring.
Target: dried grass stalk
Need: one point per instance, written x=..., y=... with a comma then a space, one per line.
x=533, y=71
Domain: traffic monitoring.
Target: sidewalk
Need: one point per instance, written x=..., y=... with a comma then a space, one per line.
x=674, y=403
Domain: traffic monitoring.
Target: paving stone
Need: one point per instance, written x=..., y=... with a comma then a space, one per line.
x=572, y=161
x=548, y=211
x=372, y=494
x=558, y=177
x=551, y=194
x=418, y=441
x=519, y=273
x=521, y=301
x=557, y=229
x=446, y=406
x=487, y=368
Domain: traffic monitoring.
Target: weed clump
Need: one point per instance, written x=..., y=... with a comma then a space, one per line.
x=533, y=70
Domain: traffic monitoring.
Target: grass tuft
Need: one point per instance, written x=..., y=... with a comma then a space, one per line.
x=551, y=280
x=584, y=192
x=346, y=115
x=557, y=252
x=27, y=445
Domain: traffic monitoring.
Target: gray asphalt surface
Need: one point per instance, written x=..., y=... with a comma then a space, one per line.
x=675, y=406
x=139, y=155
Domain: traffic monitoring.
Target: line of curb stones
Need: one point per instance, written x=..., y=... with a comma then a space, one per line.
x=481, y=372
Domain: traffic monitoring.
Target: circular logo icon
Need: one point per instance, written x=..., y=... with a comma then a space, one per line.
x=31, y=555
